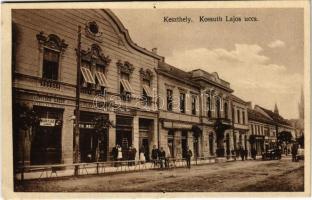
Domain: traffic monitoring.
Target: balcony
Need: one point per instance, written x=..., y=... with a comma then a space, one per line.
x=50, y=83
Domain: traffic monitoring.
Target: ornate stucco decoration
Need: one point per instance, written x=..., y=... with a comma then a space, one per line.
x=92, y=31
x=95, y=56
x=146, y=74
x=125, y=67
x=52, y=41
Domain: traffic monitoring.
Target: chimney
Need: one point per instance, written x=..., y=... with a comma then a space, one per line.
x=154, y=50
x=249, y=104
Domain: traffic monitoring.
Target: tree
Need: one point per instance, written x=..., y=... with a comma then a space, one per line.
x=284, y=136
x=101, y=124
x=24, y=119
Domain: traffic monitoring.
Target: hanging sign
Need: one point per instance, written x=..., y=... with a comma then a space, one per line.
x=47, y=122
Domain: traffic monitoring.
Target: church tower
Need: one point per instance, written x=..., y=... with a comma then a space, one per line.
x=301, y=105
x=276, y=109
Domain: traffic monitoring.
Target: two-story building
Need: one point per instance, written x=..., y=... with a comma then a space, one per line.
x=116, y=81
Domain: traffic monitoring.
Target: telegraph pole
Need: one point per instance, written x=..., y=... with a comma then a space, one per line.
x=77, y=110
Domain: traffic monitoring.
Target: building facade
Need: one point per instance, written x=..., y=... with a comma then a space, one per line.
x=118, y=82
x=81, y=86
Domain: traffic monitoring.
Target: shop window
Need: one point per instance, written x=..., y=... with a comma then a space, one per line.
x=182, y=102
x=194, y=105
x=209, y=106
x=171, y=143
x=46, y=142
x=50, y=67
x=169, y=99
x=184, y=143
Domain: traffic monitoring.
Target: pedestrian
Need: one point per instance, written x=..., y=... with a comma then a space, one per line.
x=253, y=153
x=130, y=156
x=294, y=151
x=119, y=155
x=189, y=155
x=141, y=155
x=155, y=154
x=241, y=152
x=162, y=157
x=115, y=154
x=168, y=156
x=246, y=154
x=133, y=154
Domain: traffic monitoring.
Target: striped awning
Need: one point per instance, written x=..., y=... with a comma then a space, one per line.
x=148, y=91
x=126, y=85
x=101, y=79
x=87, y=75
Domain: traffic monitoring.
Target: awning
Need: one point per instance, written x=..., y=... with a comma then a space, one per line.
x=148, y=90
x=87, y=75
x=101, y=78
x=126, y=85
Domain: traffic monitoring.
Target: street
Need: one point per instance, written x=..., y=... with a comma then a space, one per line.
x=239, y=176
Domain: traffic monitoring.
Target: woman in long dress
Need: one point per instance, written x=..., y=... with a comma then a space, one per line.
x=142, y=156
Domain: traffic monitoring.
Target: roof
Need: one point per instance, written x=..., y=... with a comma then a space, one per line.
x=176, y=73
x=126, y=35
x=257, y=116
x=239, y=100
x=276, y=117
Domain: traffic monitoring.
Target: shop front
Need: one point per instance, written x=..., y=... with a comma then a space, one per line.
x=124, y=139
x=46, y=139
x=146, y=127
x=93, y=143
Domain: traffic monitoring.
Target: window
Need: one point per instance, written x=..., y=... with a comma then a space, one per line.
x=194, y=105
x=226, y=111
x=233, y=114
x=147, y=92
x=238, y=116
x=182, y=102
x=218, y=107
x=252, y=129
x=50, y=64
x=125, y=87
x=169, y=100
x=209, y=106
x=243, y=113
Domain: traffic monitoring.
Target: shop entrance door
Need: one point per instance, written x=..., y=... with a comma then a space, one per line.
x=184, y=144
x=46, y=145
x=171, y=143
x=88, y=143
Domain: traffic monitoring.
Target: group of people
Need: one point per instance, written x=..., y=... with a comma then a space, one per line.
x=243, y=153
x=129, y=153
x=160, y=156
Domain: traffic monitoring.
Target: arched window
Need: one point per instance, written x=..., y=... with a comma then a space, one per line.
x=225, y=111
x=209, y=106
x=218, y=107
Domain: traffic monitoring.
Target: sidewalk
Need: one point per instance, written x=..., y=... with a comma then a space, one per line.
x=93, y=168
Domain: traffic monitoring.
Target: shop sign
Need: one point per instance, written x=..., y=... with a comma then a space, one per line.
x=181, y=126
x=47, y=122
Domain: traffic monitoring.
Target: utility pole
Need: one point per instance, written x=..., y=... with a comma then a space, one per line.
x=77, y=110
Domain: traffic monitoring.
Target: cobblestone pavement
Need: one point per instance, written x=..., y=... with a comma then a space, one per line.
x=282, y=175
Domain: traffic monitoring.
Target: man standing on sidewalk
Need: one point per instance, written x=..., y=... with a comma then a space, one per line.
x=189, y=155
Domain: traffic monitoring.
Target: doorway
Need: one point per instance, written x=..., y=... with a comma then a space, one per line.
x=171, y=143
x=184, y=143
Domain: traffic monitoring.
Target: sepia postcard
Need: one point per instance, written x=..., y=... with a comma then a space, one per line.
x=155, y=99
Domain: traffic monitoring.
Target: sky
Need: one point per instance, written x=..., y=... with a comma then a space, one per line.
x=262, y=60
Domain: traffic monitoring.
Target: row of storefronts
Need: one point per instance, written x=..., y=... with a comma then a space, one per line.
x=128, y=96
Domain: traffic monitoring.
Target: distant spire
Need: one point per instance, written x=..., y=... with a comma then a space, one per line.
x=276, y=109
x=301, y=105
